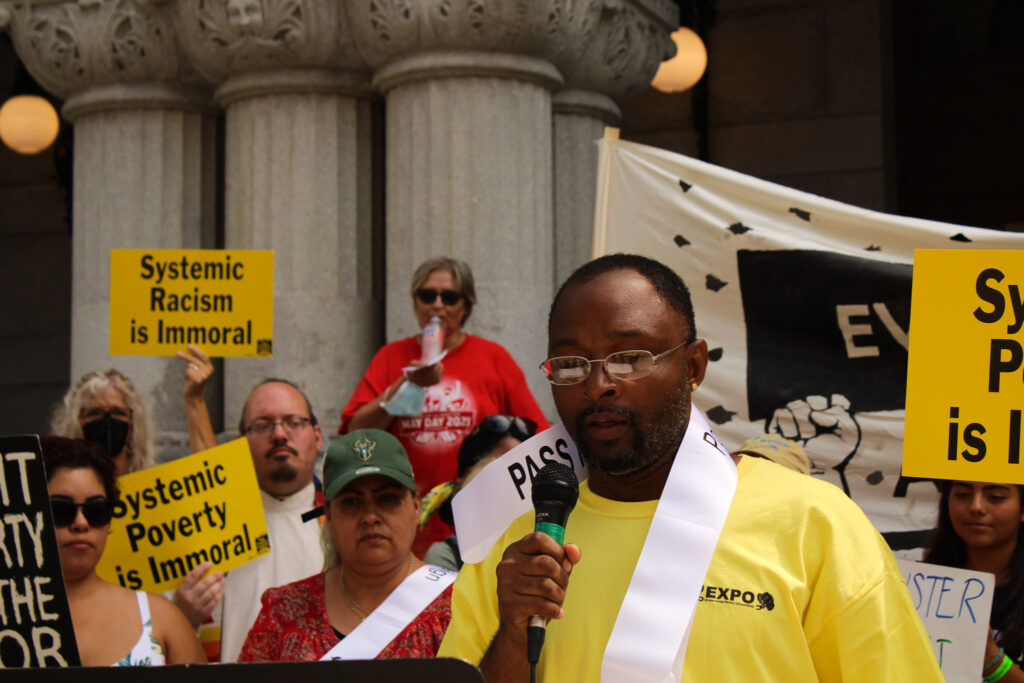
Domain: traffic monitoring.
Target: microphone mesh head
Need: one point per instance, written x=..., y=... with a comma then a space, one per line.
x=556, y=483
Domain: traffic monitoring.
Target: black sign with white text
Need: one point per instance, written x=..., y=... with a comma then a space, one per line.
x=35, y=622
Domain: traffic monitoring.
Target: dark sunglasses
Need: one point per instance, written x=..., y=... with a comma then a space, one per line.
x=521, y=428
x=97, y=511
x=449, y=297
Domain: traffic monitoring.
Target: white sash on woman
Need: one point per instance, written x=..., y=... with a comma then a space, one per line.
x=412, y=596
x=648, y=642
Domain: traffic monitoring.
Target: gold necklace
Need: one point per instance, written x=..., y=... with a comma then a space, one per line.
x=351, y=602
x=356, y=609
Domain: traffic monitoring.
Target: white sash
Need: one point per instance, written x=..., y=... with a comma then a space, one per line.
x=412, y=596
x=648, y=642
x=502, y=491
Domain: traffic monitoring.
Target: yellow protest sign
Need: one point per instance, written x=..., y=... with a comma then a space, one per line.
x=965, y=377
x=163, y=299
x=175, y=516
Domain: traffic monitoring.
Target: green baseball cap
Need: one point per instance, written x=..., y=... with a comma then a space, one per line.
x=362, y=453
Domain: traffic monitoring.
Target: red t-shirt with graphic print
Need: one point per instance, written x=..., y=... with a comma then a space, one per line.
x=480, y=378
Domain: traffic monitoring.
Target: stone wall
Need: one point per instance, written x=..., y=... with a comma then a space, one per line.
x=796, y=97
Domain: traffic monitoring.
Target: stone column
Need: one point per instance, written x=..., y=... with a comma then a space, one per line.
x=298, y=181
x=469, y=156
x=580, y=117
x=143, y=165
x=619, y=44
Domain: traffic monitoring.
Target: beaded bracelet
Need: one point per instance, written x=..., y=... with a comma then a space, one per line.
x=1003, y=669
x=995, y=660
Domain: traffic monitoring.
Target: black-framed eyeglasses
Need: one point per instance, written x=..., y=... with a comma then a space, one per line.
x=292, y=425
x=634, y=364
x=449, y=297
x=521, y=428
x=97, y=413
x=97, y=511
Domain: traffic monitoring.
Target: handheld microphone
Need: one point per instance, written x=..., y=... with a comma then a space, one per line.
x=555, y=491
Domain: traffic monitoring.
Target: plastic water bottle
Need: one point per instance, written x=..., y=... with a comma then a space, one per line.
x=432, y=340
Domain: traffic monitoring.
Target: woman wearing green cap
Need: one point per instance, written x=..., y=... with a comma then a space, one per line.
x=370, y=572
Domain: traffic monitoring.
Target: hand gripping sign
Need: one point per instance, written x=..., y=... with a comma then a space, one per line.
x=173, y=517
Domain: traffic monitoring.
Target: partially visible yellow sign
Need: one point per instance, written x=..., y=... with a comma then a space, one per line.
x=164, y=299
x=965, y=377
x=173, y=517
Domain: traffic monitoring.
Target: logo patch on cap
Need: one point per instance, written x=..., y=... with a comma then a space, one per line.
x=364, y=448
x=366, y=470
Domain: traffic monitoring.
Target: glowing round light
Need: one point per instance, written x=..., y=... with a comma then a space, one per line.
x=684, y=70
x=28, y=124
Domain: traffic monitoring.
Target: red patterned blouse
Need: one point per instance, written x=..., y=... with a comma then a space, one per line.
x=292, y=626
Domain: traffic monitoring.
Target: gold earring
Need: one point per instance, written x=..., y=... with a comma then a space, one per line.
x=693, y=386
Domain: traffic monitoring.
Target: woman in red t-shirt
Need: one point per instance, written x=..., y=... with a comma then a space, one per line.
x=476, y=378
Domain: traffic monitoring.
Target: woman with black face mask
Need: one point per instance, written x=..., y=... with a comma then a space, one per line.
x=107, y=409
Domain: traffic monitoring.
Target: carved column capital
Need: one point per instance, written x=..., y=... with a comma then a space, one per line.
x=263, y=47
x=605, y=46
x=103, y=50
x=388, y=32
x=617, y=46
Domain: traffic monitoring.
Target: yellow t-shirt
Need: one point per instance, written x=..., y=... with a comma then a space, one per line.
x=801, y=587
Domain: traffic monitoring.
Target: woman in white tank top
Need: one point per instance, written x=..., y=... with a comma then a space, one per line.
x=113, y=626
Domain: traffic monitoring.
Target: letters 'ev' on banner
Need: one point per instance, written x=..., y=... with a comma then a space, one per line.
x=164, y=299
x=805, y=305
x=175, y=516
x=965, y=381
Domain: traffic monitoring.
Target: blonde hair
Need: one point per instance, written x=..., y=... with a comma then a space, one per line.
x=461, y=274
x=141, y=447
x=332, y=558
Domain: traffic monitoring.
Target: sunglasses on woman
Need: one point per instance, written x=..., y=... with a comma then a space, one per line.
x=97, y=511
x=520, y=428
x=449, y=297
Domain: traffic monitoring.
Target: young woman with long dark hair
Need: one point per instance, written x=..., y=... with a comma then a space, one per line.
x=113, y=626
x=980, y=528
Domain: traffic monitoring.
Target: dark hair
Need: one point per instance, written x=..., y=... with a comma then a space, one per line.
x=487, y=434
x=665, y=281
x=275, y=380
x=60, y=452
x=949, y=550
x=479, y=444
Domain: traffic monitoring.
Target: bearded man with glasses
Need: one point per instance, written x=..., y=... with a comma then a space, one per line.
x=285, y=440
x=686, y=563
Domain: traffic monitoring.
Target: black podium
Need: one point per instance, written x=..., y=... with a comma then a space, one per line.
x=363, y=671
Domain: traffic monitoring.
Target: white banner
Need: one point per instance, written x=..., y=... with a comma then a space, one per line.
x=805, y=305
x=954, y=605
x=501, y=492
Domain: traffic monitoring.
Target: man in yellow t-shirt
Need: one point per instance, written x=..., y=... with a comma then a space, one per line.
x=799, y=587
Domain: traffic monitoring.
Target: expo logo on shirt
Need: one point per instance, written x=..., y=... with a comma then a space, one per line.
x=738, y=597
